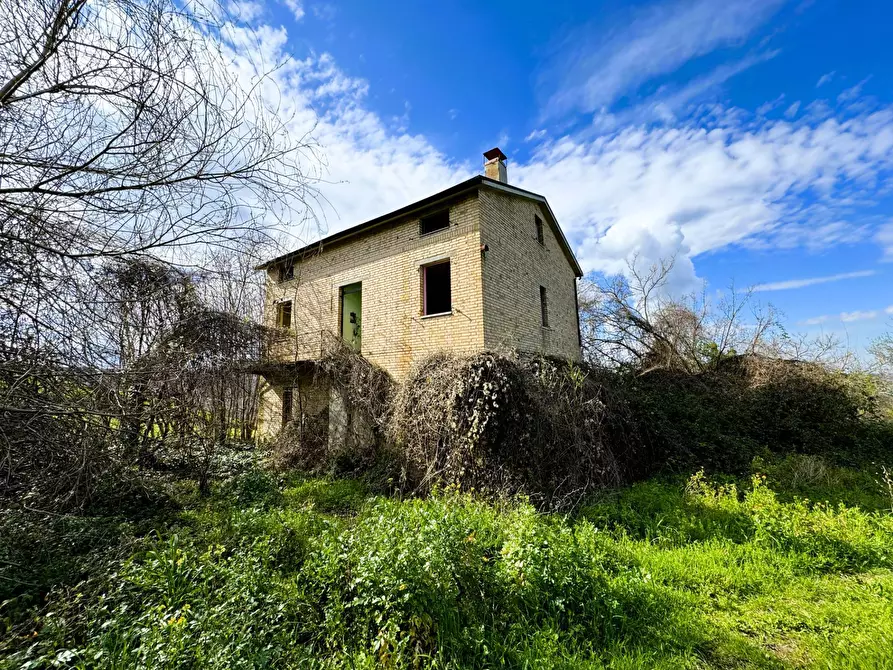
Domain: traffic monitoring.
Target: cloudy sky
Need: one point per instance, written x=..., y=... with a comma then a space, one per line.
x=750, y=139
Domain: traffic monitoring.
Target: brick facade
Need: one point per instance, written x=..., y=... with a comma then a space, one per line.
x=495, y=293
x=388, y=263
x=515, y=268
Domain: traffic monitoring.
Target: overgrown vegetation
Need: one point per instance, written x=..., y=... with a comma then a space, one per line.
x=751, y=406
x=139, y=528
x=687, y=573
x=141, y=176
x=556, y=431
x=504, y=423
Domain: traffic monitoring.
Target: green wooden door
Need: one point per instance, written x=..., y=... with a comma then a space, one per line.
x=352, y=314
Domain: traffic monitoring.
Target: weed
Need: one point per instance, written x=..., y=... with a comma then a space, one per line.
x=303, y=572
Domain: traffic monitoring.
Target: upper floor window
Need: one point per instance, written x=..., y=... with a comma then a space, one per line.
x=544, y=307
x=286, y=271
x=437, y=296
x=434, y=222
x=540, y=235
x=283, y=314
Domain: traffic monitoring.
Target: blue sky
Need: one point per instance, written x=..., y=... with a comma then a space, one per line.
x=750, y=139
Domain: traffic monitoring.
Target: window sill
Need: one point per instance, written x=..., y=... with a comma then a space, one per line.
x=434, y=316
x=433, y=232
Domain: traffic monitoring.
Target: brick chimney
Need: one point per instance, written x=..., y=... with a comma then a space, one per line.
x=494, y=165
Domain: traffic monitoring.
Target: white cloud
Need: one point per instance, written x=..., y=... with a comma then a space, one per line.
x=296, y=7
x=699, y=186
x=791, y=111
x=536, y=134
x=767, y=107
x=679, y=189
x=812, y=281
x=325, y=11
x=825, y=78
x=672, y=102
x=246, y=10
x=666, y=104
x=848, y=317
x=884, y=237
x=370, y=165
x=853, y=92
x=655, y=42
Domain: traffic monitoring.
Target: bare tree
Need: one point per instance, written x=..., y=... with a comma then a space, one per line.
x=634, y=320
x=127, y=143
x=123, y=132
x=882, y=351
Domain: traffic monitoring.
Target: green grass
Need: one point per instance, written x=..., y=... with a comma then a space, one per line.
x=301, y=572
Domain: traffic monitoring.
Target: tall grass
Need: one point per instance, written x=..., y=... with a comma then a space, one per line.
x=317, y=573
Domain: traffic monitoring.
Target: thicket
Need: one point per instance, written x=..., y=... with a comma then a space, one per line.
x=667, y=385
x=141, y=180
x=753, y=406
x=505, y=423
x=556, y=431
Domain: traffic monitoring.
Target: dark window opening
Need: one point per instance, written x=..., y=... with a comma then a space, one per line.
x=287, y=400
x=435, y=222
x=286, y=272
x=544, y=306
x=438, y=297
x=283, y=314
x=540, y=236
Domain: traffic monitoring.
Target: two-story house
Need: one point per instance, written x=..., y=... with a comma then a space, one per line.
x=480, y=265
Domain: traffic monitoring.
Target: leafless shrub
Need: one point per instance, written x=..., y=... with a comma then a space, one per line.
x=501, y=423
x=129, y=149
x=350, y=434
x=633, y=321
x=53, y=454
x=304, y=444
x=882, y=351
x=365, y=386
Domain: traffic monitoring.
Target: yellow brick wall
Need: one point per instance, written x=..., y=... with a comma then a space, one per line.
x=387, y=262
x=514, y=268
x=310, y=397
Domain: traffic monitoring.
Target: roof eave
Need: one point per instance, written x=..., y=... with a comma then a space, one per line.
x=361, y=228
x=562, y=240
x=447, y=194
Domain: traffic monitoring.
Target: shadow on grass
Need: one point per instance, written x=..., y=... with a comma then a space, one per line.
x=42, y=552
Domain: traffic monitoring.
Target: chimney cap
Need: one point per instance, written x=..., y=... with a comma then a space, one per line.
x=494, y=153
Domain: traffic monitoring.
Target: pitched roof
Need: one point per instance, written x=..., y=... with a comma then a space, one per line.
x=448, y=194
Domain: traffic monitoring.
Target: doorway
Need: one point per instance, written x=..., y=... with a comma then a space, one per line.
x=352, y=315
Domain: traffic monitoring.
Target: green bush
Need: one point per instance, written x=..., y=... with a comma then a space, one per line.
x=749, y=407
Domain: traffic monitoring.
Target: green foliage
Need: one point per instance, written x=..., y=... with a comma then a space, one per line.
x=747, y=407
x=256, y=487
x=308, y=572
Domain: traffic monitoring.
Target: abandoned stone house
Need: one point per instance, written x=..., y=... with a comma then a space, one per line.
x=480, y=265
